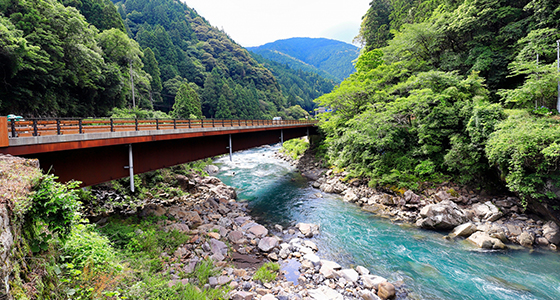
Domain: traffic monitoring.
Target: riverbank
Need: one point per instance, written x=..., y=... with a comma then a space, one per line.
x=221, y=229
x=489, y=222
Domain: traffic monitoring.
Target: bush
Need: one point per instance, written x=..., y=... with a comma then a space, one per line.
x=526, y=151
x=85, y=244
x=294, y=147
x=204, y=270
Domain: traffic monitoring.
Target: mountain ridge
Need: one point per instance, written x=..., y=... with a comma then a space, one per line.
x=331, y=57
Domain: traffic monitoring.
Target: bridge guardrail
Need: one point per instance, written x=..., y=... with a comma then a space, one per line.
x=64, y=126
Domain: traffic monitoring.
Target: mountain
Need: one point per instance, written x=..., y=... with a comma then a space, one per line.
x=327, y=56
x=300, y=87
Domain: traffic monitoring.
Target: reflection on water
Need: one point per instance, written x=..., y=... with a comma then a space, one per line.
x=430, y=266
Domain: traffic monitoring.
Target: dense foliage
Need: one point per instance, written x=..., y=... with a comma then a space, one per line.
x=328, y=56
x=86, y=58
x=428, y=101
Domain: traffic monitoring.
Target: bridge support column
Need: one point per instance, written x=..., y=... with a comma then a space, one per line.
x=130, y=167
x=230, y=149
x=282, y=136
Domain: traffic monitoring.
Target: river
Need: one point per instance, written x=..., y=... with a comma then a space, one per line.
x=430, y=266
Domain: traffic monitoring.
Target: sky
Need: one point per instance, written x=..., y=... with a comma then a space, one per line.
x=257, y=22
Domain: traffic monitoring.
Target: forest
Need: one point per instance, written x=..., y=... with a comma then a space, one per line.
x=452, y=90
x=87, y=58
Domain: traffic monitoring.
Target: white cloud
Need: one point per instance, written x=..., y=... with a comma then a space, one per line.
x=256, y=22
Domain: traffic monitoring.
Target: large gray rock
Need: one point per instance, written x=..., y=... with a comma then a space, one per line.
x=258, y=230
x=267, y=243
x=443, y=215
x=411, y=197
x=308, y=230
x=485, y=241
x=551, y=231
x=349, y=274
x=368, y=295
x=463, y=230
x=487, y=212
x=372, y=281
x=526, y=239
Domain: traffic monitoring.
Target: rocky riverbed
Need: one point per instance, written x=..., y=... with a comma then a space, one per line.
x=489, y=222
x=222, y=230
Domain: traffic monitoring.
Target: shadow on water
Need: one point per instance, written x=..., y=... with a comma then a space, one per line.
x=430, y=266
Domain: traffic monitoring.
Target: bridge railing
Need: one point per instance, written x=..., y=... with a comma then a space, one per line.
x=61, y=126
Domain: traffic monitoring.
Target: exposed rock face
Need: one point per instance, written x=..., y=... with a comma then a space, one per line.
x=551, y=231
x=485, y=241
x=211, y=170
x=443, y=215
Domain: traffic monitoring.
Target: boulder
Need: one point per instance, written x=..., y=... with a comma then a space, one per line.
x=211, y=170
x=267, y=243
x=258, y=230
x=308, y=230
x=463, y=230
x=328, y=272
x=236, y=237
x=411, y=197
x=190, y=217
x=330, y=264
x=372, y=281
x=241, y=295
x=551, y=231
x=350, y=196
x=443, y=215
x=386, y=290
x=485, y=241
x=362, y=270
x=487, y=212
x=327, y=188
x=526, y=239
x=349, y=274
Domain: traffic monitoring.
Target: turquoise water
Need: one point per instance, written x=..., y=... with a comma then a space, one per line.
x=430, y=266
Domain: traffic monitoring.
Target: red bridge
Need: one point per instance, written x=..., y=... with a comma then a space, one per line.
x=99, y=150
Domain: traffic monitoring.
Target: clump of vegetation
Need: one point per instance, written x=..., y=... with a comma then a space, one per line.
x=267, y=272
x=204, y=270
x=294, y=147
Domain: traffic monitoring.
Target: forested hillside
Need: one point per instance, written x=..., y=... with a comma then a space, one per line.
x=329, y=56
x=452, y=90
x=298, y=86
x=83, y=58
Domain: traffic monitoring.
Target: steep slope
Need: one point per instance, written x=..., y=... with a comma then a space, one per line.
x=333, y=57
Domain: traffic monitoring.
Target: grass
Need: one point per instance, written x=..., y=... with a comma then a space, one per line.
x=294, y=147
x=267, y=272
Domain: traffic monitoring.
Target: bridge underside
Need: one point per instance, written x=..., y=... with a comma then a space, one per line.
x=100, y=164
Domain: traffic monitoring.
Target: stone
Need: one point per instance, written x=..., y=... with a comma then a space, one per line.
x=328, y=272
x=487, y=212
x=179, y=227
x=241, y=295
x=239, y=272
x=368, y=295
x=258, y=230
x=485, y=241
x=214, y=235
x=267, y=243
x=211, y=170
x=349, y=274
x=526, y=239
x=350, y=196
x=236, y=237
x=213, y=281
x=372, y=281
x=224, y=280
x=362, y=271
x=273, y=256
x=269, y=297
x=327, y=188
x=330, y=264
x=463, y=230
x=444, y=196
x=308, y=230
x=218, y=247
x=325, y=293
x=311, y=245
x=551, y=231
x=411, y=197
x=312, y=258
x=386, y=290
x=443, y=215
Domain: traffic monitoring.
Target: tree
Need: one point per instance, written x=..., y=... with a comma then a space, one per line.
x=187, y=103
